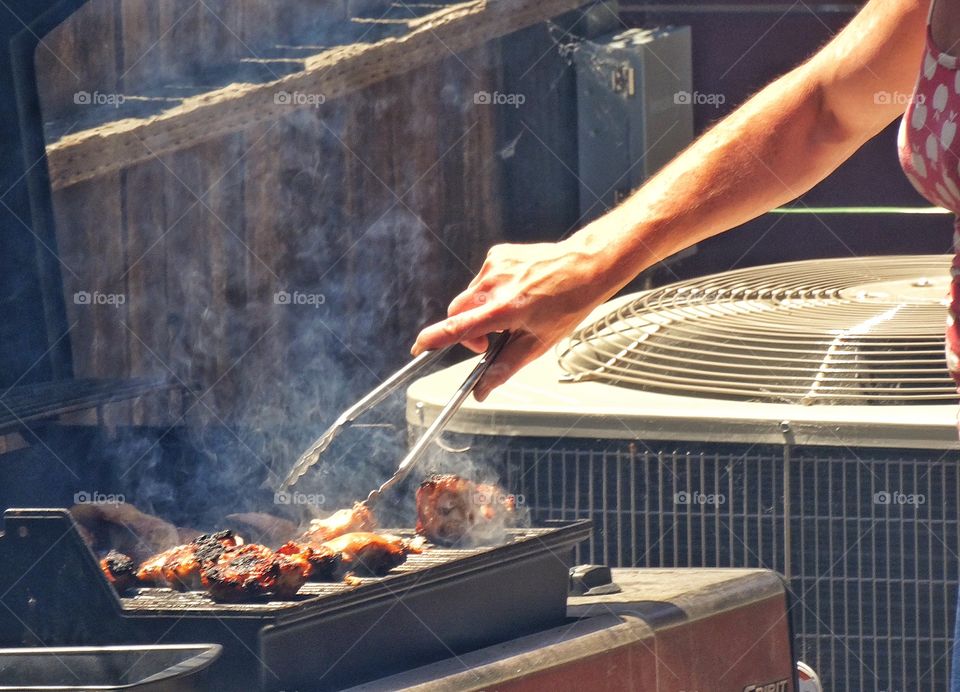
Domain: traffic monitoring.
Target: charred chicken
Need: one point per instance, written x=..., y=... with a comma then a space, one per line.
x=357, y=518
x=370, y=554
x=120, y=570
x=250, y=571
x=324, y=562
x=453, y=510
x=180, y=567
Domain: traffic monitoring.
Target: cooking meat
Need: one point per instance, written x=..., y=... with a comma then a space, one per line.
x=324, y=562
x=452, y=509
x=180, y=567
x=357, y=518
x=370, y=554
x=119, y=570
x=250, y=571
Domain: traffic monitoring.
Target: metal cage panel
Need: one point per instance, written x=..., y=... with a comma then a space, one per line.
x=867, y=537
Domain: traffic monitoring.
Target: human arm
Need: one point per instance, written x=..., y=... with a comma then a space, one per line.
x=775, y=147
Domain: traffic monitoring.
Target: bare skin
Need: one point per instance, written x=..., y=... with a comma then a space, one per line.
x=775, y=147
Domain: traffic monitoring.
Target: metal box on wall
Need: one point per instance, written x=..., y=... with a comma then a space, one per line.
x=634, y=108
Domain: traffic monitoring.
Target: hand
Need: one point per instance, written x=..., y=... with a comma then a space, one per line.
x=540, y=292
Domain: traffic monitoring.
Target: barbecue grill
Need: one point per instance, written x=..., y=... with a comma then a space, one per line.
x=443, y=602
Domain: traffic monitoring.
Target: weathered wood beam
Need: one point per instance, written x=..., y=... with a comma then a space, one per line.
x=115, y=145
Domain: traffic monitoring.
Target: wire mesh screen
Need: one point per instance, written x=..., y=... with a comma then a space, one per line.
x=870, y=542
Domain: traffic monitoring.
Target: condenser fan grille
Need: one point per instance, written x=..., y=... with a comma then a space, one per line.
x=855, y=331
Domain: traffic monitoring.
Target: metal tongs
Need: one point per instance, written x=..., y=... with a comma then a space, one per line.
x=310, y=457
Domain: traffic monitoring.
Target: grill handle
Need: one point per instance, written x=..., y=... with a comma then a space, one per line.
x=398, y=379
x=439, y=423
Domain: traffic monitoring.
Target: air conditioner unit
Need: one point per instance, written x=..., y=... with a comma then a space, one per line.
x=635, y=101
x=798, y=417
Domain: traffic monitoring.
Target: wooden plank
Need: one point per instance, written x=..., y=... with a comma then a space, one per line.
x=223, y=330
x=141, y=27
x=333, y=73
x=78, y=56
x=145, y=220
x=186, y=245
x=91, y=243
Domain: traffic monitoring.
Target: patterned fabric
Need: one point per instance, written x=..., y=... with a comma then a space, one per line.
x=930, y=156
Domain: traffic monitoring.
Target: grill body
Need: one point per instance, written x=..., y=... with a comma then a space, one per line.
x=333, y=636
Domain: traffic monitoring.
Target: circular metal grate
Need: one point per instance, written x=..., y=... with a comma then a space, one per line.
x=855, y=331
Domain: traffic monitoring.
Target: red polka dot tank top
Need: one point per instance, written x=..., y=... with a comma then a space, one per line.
x=929, y=147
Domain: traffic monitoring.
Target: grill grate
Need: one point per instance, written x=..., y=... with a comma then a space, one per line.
x=875, y=581
x=850, y=330
x=156, y=600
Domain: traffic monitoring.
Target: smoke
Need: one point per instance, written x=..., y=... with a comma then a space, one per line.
x=274, y=275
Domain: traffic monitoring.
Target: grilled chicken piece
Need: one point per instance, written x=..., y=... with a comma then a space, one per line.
x=324, y=562
x=357, y=518
x=370, y=554
x=119, y=570
x=180, y=567
x=452, y=509
x=250, y=571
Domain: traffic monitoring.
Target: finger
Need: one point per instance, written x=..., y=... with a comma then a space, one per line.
x=466, y=327
x=478, y=345
x=521, y=350
x=469, y=299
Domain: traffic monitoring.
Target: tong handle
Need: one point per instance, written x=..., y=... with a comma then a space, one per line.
x=398, y=379
x=439, y=423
